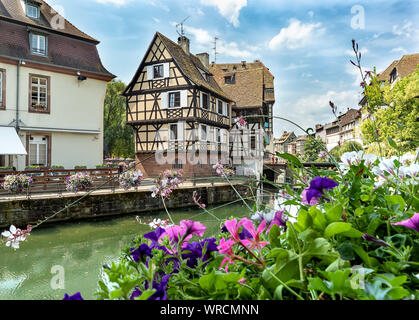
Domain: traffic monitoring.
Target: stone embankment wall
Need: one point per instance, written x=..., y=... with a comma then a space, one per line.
x=23, y=212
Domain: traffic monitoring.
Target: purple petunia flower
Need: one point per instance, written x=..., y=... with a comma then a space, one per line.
x=280, y=220
x=370, y=238
x=141, y=252
x=194, y=251
x=160, y=293
x=316, y=190
x=412, y=223
x=76, y=296
x=154, y=237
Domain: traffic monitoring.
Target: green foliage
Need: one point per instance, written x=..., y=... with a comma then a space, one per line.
x=395, y=109
x=119, y=137
x=312, y=148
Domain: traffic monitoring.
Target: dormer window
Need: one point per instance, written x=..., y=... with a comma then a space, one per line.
x=393, y=75
x=32, y=10
x=38, y=44
x=230, y=79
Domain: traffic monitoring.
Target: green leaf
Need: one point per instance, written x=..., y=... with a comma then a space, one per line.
x=395, y=202
x=392, y=143
x=334, y=214
x=116, y=294
x=319, y=219
x=336, y=228
x=146, y=294
x=352, y=233
x=369, y=261
x=304, y=221
x=274, y=236
x=346, y=251
x=207, y=282
x=290, y=158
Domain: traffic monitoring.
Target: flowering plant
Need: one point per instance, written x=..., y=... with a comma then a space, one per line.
x=78, y=182
x=17, y=183
x=166, y=183
x=345, y=238
x=130, y=179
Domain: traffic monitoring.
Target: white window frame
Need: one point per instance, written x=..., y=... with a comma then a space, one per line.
x=222, y=107
x=170, y=132
x=201, y=127
x=202, y=101
x=33, y=7
x=38, y=85
x=37, y=50
x=1, y=89
x=180, y=100
x=218, y=138
x=37, y=141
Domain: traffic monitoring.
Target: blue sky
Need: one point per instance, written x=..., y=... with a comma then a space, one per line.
x=306, y=44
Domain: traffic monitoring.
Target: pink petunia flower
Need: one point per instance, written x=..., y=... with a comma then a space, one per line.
x=255, y=241
x=193, y=228
x=233, y=227
x=412, y=223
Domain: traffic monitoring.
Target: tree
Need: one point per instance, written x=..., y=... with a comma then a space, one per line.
x=347, y=146
x=312, y=148
x=395, y=110
x=119, y=137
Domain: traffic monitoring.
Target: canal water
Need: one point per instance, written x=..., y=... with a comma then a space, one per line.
x=81, y=248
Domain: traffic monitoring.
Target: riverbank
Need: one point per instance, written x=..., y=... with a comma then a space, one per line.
x=21, y=211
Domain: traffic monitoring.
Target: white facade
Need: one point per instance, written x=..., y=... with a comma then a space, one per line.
x=70, y=134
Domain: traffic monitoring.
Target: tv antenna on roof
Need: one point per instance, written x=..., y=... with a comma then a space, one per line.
x=182, y=30
x=215, y=49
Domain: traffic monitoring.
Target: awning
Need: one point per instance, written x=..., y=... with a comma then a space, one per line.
x=10, y=143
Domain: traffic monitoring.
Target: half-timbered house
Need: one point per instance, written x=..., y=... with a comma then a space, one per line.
x=179, y=113
x=251, y=86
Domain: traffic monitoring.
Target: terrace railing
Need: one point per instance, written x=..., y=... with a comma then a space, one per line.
x=53, y=180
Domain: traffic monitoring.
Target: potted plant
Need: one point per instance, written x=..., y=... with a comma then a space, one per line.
x=39, y=107
x=7, y=169
x=80, y=167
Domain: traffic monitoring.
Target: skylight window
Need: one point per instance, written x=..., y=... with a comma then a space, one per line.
x=32, y=11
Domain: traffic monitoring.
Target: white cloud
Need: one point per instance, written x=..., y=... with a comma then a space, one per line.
x=399, y=49
x=315, y=109
x=351, y=52
x=229, y=9
x=114, y=2
x=296, y=35
x=311, y=14
x=293, y=66
x=201, y=36
x=205, y=41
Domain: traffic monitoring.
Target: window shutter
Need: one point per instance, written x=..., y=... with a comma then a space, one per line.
x=166, y=67
x=184, y=99
x=150, y=73
x=164, y=100
x=181, y=131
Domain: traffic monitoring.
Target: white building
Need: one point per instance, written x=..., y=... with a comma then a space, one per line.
x=52, y=87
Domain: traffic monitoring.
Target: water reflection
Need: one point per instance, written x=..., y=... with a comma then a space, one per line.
x=82, y=248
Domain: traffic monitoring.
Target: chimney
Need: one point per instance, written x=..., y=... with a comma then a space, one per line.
x=184, y=43
x=204, y=57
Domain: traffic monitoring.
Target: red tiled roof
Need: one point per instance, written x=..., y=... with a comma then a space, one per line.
x=63, y=50
x=13, y=10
